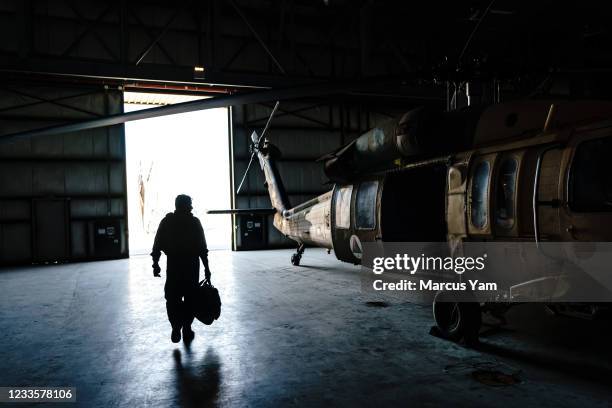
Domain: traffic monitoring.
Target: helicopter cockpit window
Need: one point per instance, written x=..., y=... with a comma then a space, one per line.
x=480, y=186
x=343, y=207
x=365, y=205
x=590, y=181
x=506, y=188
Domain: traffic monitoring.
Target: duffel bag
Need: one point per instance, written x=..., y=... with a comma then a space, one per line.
x=206, y=303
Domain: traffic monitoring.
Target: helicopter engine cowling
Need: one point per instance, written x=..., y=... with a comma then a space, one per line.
x=375, y=147
x=416, y=134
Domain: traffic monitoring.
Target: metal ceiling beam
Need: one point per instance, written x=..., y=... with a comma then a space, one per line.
x=284, y=113
x=40, y=101
x=158, y=37
x=258, y=37
x=152, y=37
x=300, y=116
x=148, y=72
x=89, y=29
x=51, y=101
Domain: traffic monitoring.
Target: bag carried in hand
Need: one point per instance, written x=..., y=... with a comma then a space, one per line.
x=206, y=303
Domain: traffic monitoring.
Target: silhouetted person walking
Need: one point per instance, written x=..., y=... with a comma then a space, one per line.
x=181, y=237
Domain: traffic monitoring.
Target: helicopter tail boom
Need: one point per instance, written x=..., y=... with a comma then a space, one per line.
x=278, y=196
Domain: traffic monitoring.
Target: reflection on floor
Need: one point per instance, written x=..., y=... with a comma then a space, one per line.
x=302, y=336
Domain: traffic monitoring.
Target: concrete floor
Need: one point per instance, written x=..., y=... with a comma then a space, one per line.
x=287, y=336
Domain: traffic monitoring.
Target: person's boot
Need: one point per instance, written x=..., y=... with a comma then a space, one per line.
x=176, y=335
x=188, y=334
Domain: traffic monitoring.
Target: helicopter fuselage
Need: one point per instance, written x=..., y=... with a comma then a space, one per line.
x=528, y=188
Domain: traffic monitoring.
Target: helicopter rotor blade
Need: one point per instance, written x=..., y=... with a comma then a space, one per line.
x=246, y=172
x=268, y=122
x=256, y=141
x=191, y=106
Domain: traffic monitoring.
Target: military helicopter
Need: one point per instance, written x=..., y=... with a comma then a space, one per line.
x=525, y=171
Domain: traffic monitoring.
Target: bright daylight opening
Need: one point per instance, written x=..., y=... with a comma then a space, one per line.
x=179, y=154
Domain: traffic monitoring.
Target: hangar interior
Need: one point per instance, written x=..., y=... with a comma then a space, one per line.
x=81, y=308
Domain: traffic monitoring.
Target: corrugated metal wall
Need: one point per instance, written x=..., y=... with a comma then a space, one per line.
x=61, y=197
x=303, y=131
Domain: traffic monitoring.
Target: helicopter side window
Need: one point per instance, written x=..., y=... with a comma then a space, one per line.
x=506, y=188
x=590, y=181
x=480, y=185
x=343, y=207
x=365, y=211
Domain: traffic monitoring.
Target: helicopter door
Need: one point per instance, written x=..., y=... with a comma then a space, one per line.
x=505, y=195
x=456, y=199
x=546, y=203
x=365, y=220
x=341, y=228
x=588, y=213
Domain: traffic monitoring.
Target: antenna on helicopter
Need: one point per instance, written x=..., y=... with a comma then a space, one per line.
x=256, y=144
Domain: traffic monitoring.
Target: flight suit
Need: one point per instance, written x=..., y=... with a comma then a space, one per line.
x=181, y=237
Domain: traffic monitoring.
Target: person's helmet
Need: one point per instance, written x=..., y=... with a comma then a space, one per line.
x=183, y=202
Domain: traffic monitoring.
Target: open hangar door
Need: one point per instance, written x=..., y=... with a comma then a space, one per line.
x=62, y=197
x=304, y=131
x=185, y=153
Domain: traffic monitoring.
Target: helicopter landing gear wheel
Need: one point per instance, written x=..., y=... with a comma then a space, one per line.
x=457, y=321
x=297, y=257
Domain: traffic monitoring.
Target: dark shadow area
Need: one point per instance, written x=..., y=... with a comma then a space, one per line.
x=413, y=205
x=579, y=369
x=578, y=348
x=197, y=382
x=377, y=304
x=316, y=267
